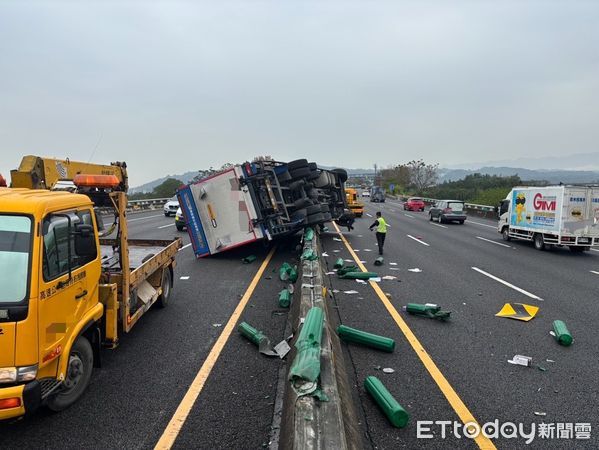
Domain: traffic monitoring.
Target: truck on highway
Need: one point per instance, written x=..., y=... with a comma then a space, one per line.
x=67, y=288
x=377, y=194
x=553, y=215
x=260, y=200
x=354, y=205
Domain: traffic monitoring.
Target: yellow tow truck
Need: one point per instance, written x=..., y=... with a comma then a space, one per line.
x=66, y=287
x=354, y=205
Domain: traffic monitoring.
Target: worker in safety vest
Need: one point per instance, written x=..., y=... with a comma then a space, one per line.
x=381, y=231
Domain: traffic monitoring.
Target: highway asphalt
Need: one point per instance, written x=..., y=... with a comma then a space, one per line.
x=472, y=349
x=133, y=397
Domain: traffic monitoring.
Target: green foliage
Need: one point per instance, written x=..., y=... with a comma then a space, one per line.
x=167, y=188
x=476, y=188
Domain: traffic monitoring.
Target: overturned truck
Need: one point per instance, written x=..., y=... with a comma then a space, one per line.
x=264, y=199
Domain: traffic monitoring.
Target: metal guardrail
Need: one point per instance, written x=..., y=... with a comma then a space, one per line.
x=468, y=206
x=147, y=202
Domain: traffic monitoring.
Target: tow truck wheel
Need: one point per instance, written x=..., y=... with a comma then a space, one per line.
x=79, y=372
x=167, y=284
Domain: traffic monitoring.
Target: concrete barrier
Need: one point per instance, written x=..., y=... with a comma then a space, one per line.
x=331, y=421
x=485, y=211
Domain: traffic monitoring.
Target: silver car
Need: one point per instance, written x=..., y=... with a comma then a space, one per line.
x=448, y=211
x=170, y=207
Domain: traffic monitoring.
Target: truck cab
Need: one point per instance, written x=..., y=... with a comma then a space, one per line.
x=49, y=272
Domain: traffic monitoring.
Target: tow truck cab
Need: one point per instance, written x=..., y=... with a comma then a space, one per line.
x=49, y=272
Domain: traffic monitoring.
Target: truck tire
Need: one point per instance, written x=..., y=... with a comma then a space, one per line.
x=297, y=164
x=323, y=180
x=167, y=286
x=79, y=372
x=313, y=166
x=315, y=218
x=300, y=173
x=313, y=209
x=324, y=208
x=505, y=234
x=538, y=241
x=327, y=216
x=341, y=173
x=314, y=175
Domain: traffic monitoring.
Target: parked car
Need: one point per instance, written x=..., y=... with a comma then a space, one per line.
x=170, y=207
x=414, y=204
x=179, y=220
x=448, y=211
x=365, y=193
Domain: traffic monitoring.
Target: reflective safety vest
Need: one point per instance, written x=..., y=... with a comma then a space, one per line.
x=382, y=228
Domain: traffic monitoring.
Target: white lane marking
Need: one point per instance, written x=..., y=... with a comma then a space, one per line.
x=594, y=271
x=169, y=225
x=493, y=242
x=144, y=218
x=408, y=215
x=185, y=246
x=437, y=224
x=369, y=215
x=417, y=240
x=516, y=288
x=481, y=224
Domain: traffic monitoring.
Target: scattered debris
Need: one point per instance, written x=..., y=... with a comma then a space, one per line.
x=521, y=360
x=356, y=336
x=389, y=277
x=540, y=413
x=339, y=263
x=282, y=348
x=257, y=337
x=550, y=360
x=393, y=268
x=379, y=261
x=358, y=275
x=284, y=298
x=268, y=277
x=336, y=251
x=361, y=281
x=367, y=250
x=324, y=254
x=249, y=259
x=330, y=273
x=350, y=292
x=348, y=260
x=562, y=335
x=388, y=370
x=217, y=325
x=184, y=278
x=416, y=269
x=375, y=279
x=306, y=365
x=541, y=368
x=393, y=264
x=337, y=239
x=363, y=262
x=287, y=272
x=393, y=410
x=309, y=255
x=429, y=310
x=518, y=311
x=377, y=367
x=335, y=291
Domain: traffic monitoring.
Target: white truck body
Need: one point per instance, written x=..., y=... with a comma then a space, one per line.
x=553, y=215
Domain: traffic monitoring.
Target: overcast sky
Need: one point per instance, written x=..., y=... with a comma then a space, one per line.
x=177, y=86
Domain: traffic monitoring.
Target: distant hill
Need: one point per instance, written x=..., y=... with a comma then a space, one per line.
x=551, y=176
x=149, y=187
x=571, y=162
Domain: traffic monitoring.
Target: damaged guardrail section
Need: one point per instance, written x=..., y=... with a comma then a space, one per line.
x=318, y=405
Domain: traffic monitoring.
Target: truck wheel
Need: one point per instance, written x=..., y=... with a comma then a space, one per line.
x=539, y=242
x=79, y=372
x=505, y=234
x=167, y=285
x=315, y=218
x=325, y=208
x=327, y=216
x=300, y=173
x=284, y=177
x=313, y=166
x=313, y=209
x=341, y=173
x=297, y=164
x=302, y=203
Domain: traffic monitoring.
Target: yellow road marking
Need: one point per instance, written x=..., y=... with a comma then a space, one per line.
x=450, y=394
x=178, y=420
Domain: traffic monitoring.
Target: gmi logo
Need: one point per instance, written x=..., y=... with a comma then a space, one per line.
x=544, y=204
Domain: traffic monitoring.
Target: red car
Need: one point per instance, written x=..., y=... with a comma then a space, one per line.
x=414, y=204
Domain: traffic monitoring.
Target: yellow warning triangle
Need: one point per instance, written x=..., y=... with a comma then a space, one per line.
x=518, y=311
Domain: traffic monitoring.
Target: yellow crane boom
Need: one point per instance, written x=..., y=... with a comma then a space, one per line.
x=36, y=172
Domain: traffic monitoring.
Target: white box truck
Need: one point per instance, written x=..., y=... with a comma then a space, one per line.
x=553, y=215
